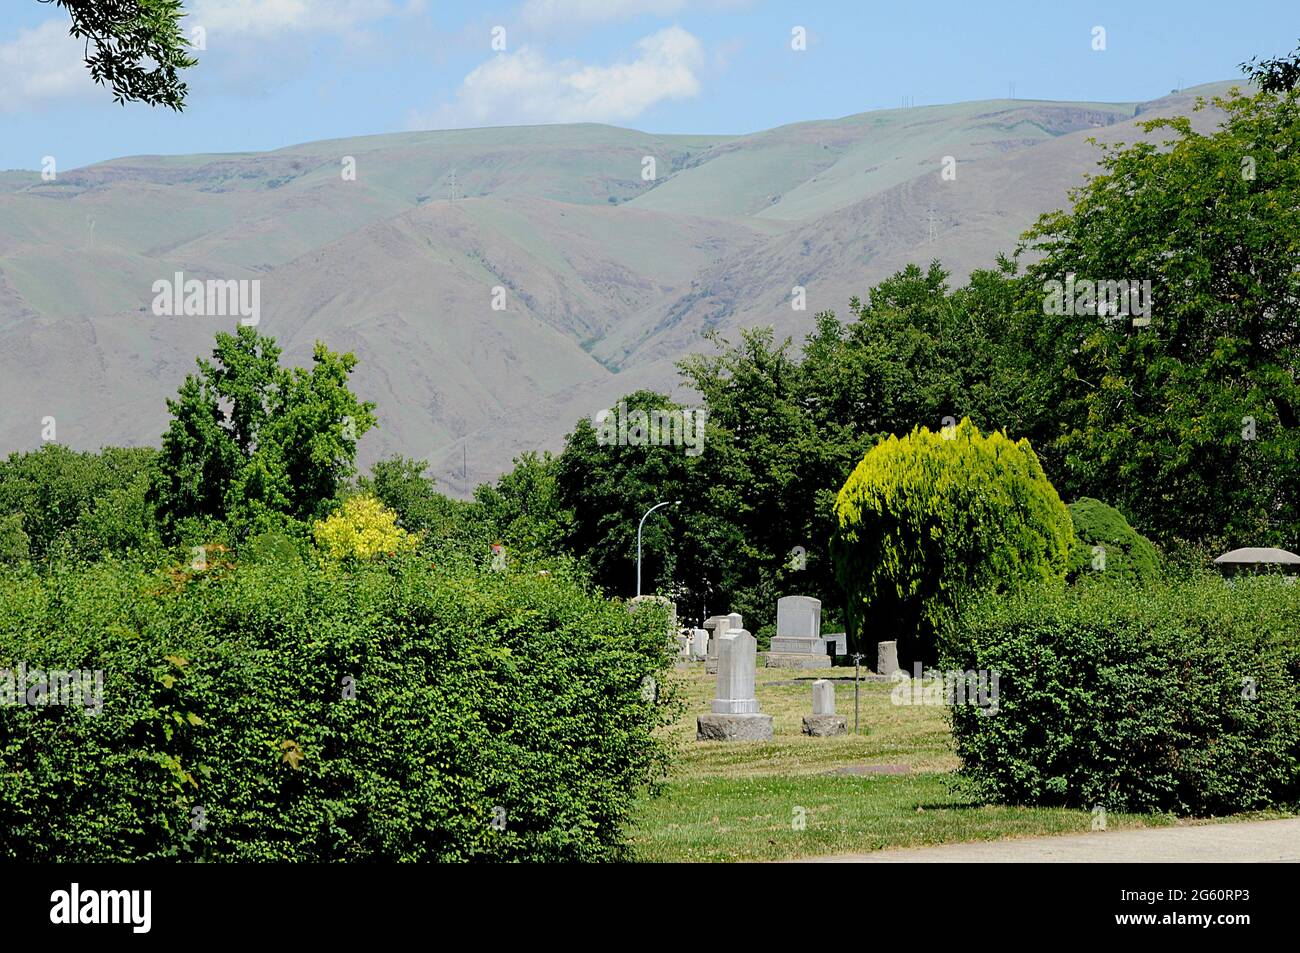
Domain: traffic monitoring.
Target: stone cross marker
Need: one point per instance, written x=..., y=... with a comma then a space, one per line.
x=823, y=721
x=735, y=715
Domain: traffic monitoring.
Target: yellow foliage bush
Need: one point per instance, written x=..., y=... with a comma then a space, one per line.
x=362, y=529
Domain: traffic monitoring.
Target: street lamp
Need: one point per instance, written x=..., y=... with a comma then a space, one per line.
x=638, y=538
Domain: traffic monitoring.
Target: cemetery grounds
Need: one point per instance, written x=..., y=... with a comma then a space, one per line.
x=892, y=785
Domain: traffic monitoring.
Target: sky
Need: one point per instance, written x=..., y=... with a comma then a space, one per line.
x=274, y=73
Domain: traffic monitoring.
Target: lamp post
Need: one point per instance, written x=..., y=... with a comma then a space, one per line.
x=638, y=538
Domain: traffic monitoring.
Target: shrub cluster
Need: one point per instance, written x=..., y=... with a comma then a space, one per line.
x=1178, y=697
x=282, y=710
x=1105, y=542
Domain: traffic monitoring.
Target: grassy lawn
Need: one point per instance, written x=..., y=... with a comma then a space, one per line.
x=733, y=801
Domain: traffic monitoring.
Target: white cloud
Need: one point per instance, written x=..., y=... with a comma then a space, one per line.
x=268, y=17
x=525, y=87
x=41, y=65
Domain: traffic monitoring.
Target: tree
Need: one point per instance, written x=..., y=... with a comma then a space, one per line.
x=449, y=529
x=1278, y=75
x=1188, y=424
x=919, y=352
x=758, y=500
x=14, y=545
x=524, y=508
x=256, y=445
x=608, y=486
x=89, y=503
x=402, y=485
x=139, y=47
x=927, y=520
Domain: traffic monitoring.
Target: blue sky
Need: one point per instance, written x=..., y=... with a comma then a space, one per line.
x=278, y=72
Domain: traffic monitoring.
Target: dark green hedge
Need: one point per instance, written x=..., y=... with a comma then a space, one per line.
x=1135, y=698
x=225, y=691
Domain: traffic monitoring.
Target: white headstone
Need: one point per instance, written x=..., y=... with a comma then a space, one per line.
x=737, y=657
x=886, y=658
x=699, y=643
x=799, y=616
x=823, y=697
x=799, y=626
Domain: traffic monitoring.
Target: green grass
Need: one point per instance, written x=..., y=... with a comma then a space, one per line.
x=757, y=818
x=738, y=801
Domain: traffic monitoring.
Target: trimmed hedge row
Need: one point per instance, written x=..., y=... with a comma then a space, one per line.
x=1183, y=697
x=285, y=711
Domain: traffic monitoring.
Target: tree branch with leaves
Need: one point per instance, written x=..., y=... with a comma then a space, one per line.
x=135, y=47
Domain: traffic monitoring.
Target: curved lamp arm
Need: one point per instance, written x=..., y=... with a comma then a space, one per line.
x=638, y=538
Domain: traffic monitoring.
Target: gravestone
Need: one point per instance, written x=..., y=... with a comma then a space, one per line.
x=823, y=697
x=719, y=625
x=840, y=640
x=683, y=646
x=823, y=722
x=798, y=640
x=886, y=658
x=735, y=715
x=699, y=644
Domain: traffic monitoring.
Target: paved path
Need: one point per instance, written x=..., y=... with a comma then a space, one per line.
x=1237, y=842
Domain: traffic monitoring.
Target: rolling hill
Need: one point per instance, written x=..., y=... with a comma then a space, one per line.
x=607, y=278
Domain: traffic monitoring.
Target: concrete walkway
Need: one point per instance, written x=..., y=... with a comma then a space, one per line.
x=1241, y=842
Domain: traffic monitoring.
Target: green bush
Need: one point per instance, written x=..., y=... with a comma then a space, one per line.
x=1105, y=542
x=1135, y=698
x=508, y=696
x=925, y=520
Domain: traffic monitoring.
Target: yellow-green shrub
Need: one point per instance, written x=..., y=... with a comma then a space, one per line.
x=361, y=529
x=929, y=518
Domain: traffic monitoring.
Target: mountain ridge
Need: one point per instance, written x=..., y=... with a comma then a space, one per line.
x=607, y=279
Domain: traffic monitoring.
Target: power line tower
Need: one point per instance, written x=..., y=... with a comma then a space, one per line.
x=453, y=187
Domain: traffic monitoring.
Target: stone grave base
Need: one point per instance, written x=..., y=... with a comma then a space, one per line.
x=823, y=726
x=747, y=727
x=797, y=660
